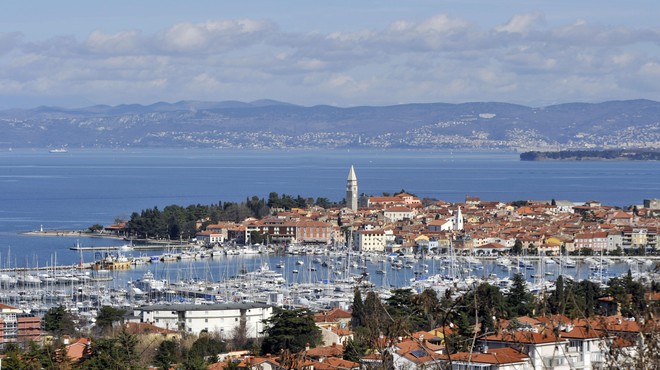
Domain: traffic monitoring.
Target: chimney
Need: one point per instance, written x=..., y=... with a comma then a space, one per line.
x=66, y=340
x=306, y=346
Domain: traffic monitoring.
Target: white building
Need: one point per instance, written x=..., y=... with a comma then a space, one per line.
x=210, y=237
x=194, y=318
x=370, y=240
x=546, y=351
x=399, y=213
x=499, y=359
x=443, y=224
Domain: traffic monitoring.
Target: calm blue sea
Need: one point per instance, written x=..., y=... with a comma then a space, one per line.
x=82, y=187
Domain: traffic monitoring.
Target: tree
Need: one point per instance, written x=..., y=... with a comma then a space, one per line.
x=517, y=247
x=290, y=329
x=59, y=322
x=357, y=314
x=127, y=344
x=95, y=228
x=519, y=300
x=415, y=311
x=556, y=302
x=257, y=238
x=166, y=354
x=376, y=317
x=108, y=315
x=323, y=202
x=427, y=303
x=231, y=365
x=35, y=358
x=354, y=350
x=113, y=353
x=12, y=359
x=194, y=363
x=485, y=302
x=207, y=345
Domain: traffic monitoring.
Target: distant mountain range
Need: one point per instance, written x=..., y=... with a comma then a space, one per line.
x=273, y=124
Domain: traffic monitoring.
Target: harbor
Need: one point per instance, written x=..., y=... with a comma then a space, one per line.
x=325, y=279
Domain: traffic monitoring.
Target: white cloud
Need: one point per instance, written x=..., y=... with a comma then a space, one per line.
x=213, y=36
x=650, y=70
x=623, y=59
x=521, y=23
x=442, y=23
x=311, y=64
x=119, y=43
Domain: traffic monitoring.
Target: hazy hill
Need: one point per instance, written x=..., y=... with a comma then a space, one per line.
x=269, y=123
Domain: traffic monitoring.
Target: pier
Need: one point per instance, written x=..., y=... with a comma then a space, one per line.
x=123, y=248
x=78, y=266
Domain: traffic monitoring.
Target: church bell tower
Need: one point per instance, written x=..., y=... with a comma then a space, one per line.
x=352, y=190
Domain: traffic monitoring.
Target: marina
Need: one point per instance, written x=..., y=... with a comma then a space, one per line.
x=318, y=281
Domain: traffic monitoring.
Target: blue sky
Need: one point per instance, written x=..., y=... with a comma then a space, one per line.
x=345, y=53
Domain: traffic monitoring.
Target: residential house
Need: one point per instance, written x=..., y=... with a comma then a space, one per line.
x=490, y=359
x=77, y=349
x=335, y=363
x=413, y=353
x=222, y=318
x=369, y=240
x=596, y=241
x=398, y=213
x=545, y=349
x=282, y=229
x=210, y=237
x=441, y=224
x=18, y=327
x=639, y=237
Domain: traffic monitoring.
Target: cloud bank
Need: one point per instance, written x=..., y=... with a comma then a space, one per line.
x=440, y=58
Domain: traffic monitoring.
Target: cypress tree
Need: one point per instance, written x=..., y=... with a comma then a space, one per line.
x=357, y=314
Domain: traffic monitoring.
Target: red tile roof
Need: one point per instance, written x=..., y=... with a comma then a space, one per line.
x=497, y=356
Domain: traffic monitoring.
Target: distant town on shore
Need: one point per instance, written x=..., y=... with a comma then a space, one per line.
x=269, y=124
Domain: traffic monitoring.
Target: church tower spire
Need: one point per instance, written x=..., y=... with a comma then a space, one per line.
x=458, y=220
x=352, y=190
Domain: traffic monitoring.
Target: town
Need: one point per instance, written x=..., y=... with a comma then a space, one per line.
x=530, y=311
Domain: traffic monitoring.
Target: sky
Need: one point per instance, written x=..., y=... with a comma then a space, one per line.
x=75, y=53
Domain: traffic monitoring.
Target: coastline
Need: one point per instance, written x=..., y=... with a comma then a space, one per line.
x=70, y=233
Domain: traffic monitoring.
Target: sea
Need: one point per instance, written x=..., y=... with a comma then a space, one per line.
x=82, y=187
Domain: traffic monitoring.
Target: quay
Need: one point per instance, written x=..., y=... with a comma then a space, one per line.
x=78, y=266
x=122, y=248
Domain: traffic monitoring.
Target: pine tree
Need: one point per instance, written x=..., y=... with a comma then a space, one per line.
x=519, y=300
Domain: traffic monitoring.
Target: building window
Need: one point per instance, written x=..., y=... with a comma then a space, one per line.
x=206, y=320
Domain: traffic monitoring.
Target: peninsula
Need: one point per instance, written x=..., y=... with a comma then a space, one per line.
x=592, y=155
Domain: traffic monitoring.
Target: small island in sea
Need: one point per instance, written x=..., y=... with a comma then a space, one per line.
x=592, y=155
